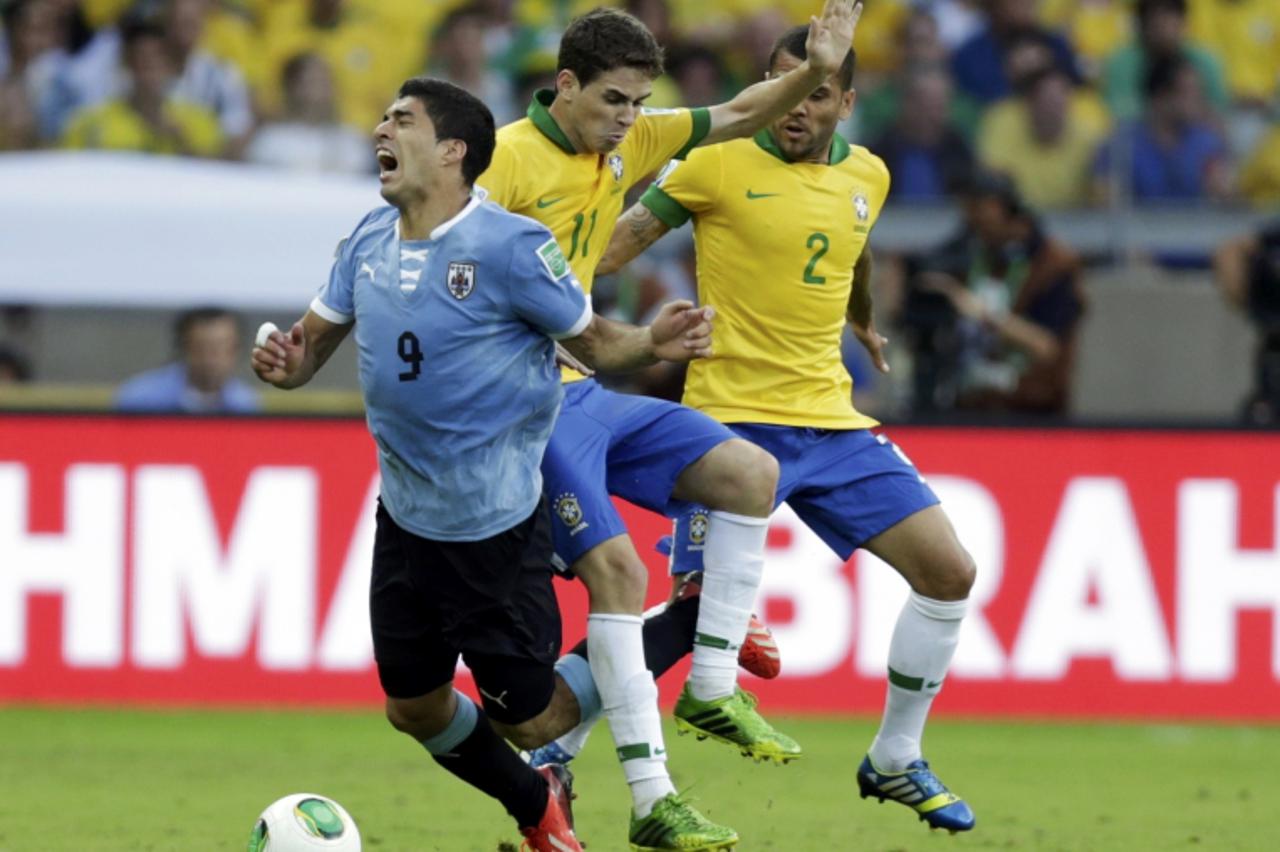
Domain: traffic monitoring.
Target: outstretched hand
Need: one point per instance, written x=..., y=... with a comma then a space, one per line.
x=682, y=332
x=280, y=355
x=831, y=35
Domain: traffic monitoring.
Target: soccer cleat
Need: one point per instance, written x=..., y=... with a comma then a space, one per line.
x=734, y=720
x=919, y=789
x=554, y=833
x=759, y=652
x=549, y=754
x=674, y=824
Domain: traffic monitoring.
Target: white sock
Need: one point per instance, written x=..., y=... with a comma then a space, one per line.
x=733, y=565
x=629, y=699
x=924, y=640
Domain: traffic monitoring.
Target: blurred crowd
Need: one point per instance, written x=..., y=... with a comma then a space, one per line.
x=1010, y=106
x=1077, y=100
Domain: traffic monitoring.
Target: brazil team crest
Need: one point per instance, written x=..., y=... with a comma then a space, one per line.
x=570, y=513
x=615, y=166
x=698, y=523
x=461, y=279
x=861, y=208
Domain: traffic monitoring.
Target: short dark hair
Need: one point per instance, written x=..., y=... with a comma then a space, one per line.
x=1146, y=8
x=1162, y=74
x=605, y=39
x=189, y=319
x=457, y=114
x=793, y=41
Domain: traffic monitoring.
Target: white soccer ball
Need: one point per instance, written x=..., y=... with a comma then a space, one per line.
x=305, y=822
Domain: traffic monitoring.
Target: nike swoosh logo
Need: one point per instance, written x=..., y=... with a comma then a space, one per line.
x=547, y=202
x=754, y=195
x=933, y=684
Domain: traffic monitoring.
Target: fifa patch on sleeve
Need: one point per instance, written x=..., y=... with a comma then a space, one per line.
x=553, y=259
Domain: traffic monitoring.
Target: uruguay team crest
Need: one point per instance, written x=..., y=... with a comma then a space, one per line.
x=861, y=207
x=461, y=279
x=570, y=513
x=615, y=165
x=698, y=522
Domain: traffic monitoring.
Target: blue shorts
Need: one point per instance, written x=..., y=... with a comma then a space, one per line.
x=848, y=486
x=633, y=447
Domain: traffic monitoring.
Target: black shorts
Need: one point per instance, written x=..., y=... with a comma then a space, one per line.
x=488, y=601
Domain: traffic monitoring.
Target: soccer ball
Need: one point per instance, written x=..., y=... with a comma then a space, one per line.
x=305, y=822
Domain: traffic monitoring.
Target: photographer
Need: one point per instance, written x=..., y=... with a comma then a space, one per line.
x=1248, y=271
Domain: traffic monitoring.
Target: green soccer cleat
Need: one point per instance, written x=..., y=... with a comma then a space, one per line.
x=674, y=824
x=734, y=720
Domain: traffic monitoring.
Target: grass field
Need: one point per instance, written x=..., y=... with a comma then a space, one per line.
x=127, y=780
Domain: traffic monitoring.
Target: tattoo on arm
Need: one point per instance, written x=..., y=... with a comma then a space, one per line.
x=860, y=296
x=636, y=231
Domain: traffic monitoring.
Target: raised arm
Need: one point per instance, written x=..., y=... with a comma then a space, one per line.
x=757, y=106
x=290, y=360
x=679, y=333
x=634, y=232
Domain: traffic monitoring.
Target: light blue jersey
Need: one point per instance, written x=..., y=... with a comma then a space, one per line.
x=457, y=362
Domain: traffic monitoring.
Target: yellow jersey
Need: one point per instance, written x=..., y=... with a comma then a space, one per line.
x=776, y=244
x=536, y=172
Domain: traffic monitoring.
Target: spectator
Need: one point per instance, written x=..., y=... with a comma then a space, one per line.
x=1245, y=34
x=924, y=152
x=1173, y=153
x=202, y=78
x=1248, y=271
x=458, y=56
x=995, y=311
x=1095, y=28
x=1045, y=139
x=147, y=118
x=308, y=136
x=201, y=381
x=32, y=54
x=1260, y=174
x=365, y=63
x=1161, y=27
x=15, y=369
x=699, y=74
x=919, y=45
x=978, y=65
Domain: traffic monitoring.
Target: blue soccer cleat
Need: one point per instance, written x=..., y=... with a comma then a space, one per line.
x=549, y=754
x=919, y=789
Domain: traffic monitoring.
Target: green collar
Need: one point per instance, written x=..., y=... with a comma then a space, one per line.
x=540, y=114
x=838, y=152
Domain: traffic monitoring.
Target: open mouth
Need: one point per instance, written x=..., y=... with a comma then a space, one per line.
x=794, y=131
x=387, y=163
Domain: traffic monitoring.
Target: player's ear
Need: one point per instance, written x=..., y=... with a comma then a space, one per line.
x=567, y=85
x=847, y=100
x=455, y=151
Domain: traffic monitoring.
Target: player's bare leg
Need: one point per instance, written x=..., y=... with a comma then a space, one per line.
x=737, y=481
x=926, y=552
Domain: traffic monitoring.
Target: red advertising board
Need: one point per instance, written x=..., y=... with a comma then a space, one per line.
x=1121, y=573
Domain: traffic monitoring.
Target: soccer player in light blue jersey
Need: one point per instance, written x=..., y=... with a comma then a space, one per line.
x=456, y=305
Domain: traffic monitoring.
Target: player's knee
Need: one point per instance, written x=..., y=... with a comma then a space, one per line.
x=749, y=478
x=616, y=579
x=956, y=580
x=417, y=718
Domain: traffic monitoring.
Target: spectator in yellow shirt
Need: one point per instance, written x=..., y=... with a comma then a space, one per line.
x=1043, y=139
x=146, y=118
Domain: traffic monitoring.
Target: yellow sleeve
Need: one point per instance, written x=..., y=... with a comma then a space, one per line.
x=686, y=188
x=661, y=135
x=499, y=181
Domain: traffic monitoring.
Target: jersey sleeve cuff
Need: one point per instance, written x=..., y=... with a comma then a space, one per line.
x=701, y=127
x=670, y=212
x=325, y=312
x=579, y=326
